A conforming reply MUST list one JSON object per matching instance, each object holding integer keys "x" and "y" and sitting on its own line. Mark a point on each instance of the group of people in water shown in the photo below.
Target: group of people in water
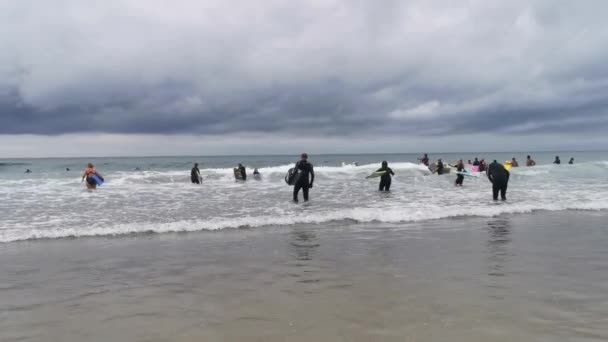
{"x": 302, "y": 175}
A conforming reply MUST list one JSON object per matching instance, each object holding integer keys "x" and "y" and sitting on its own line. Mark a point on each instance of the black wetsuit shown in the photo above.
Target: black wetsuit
{"x": 482, "y": 167}
{"x": 305, "y": 179}
{"x": 195, "y": 175}
{"x": 459, "y": 178}
{"x": 499, "y": 176}
{"x": 557, "y": 161}
{"x": 243, "y": 173}
{"x": 425, "y": 161}
{"x": 385, "y": 179}
{"x": 439, "y": 168}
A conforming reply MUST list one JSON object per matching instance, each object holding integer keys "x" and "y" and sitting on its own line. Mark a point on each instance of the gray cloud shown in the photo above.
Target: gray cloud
{"x": 328, "y": 67}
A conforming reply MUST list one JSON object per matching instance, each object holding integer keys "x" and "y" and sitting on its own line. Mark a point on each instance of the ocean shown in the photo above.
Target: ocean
{"x": 151, "y": 257}
{"x": 154, "y": 194}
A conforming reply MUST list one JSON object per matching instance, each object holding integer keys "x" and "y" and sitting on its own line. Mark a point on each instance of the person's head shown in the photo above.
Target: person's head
{"x": 304, "y": 156}
{"x": 459, "y": 161}
{"x": 90, "y": 165}
{"x": 571, "y": 159}
{"x": 476, "y": 158}
{"x": 425, "y": 155}
{"x": 513, "y": 159}
{"x": 494, "y": 161}
{"x": 384, "y": 163}
{"x": 556, "y": 157}
{"x": 240, "y": 165}
{"x": 195, "y": 164}
{"x": 528, "y": 157}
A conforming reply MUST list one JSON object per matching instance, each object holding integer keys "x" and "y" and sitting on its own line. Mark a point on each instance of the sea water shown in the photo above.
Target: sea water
{"x": 154, "y": 194}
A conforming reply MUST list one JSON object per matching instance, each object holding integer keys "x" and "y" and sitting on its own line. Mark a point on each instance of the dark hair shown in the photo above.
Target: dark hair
{"x": 304, "y": 156}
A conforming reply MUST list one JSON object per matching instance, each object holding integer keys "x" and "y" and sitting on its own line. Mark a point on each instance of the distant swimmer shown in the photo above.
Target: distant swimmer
{"x": 424, "y": 160}
{"x": 256, "y": 174}
{"x": 499, "y": 176}
{"x": 305, "y": 178}
{"x": 469, "y": 162}
{"x": 459, "y": 177}
{"x": 195, "y": 174}
{"x": 557, "y": 161}
{"x": 243, "y": 171}
{"x": 571, "y": 161}
{"x": 385, "y": 179}
{"x": 91, "y": 176}
{"x": 530, "y": 161}
{"x": 67, "y": 169}
{"x": 476, "y": 162}
{"x": 514, "y": 162}
{"x": 28, "y": 171}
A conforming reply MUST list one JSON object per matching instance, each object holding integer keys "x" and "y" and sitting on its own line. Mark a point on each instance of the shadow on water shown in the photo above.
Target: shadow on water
{"x": 498, "y": 246}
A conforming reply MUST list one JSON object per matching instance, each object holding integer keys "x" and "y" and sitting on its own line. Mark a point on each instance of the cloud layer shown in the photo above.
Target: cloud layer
{"x": 328, "y": 68}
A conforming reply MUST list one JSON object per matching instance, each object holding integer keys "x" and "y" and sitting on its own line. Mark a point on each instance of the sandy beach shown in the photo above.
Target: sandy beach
{"x": 532, "y": 277}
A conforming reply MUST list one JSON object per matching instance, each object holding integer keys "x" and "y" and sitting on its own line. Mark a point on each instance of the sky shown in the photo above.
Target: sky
{"x": 194, "y": 77}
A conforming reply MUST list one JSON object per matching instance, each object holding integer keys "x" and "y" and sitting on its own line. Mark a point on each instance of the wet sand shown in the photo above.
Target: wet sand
{"x": 532, "y": 277}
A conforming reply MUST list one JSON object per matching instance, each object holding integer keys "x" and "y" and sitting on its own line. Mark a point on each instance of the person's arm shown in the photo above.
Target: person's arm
{"x": 312, "y": 175}
{"x": 391, "y": 171}
{"x": 490, "y": 175}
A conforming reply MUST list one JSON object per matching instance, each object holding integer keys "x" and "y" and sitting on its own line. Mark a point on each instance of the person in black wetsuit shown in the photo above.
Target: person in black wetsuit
{"x": 571, "y": 161}
{"x": 482, "y": 165}
{"x": 425, "y": 160}
{"x": 557, "y": 161}
{"x": 305, "y": 179}
{"x": 385, "y": 179}
{"x": 243, "y": 172}
{"x": 439, "y": 167}
{"x": 459, "y": 177}
{"x": 476, "y": 162}
{"x": 499, "y": 176}
{"x": 195, "y": 174}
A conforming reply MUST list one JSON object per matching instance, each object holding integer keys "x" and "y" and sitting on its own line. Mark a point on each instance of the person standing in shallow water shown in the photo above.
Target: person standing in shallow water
{"x": 305, "y": 178}
{"x": 88, "y": 174}
{"x": 195, "y": 174}
{"x": 571, "y": 161}
{"x": 557, "y": 161}
{"x": 459, "y": 177}
{"x": 499, "y": 176}
{"x": 385, "y": 179}
{"x": 530, "y": 161}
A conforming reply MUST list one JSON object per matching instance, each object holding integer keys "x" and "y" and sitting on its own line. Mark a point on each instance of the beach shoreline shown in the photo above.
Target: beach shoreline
{"x": 538, "y": 276}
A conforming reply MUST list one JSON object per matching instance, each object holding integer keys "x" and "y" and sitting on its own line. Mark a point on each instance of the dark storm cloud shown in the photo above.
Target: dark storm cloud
{"x": 328, "y": 67}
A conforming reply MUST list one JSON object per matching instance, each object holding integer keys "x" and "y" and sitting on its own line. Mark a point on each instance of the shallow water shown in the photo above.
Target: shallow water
{"x": 531, "y": 277}
{"x": 52, "y": 203}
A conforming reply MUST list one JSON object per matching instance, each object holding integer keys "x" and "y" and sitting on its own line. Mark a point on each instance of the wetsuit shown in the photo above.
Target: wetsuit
{"x": 557, "y": 161}
{"x": 499, "y": 176}
{"x": 195, "y": 175}
{"x": 439, "y": 168}
{"x": 459, "y": 177}
{"x": 425, "y": 161}
{"x": 482, "y": 167}
{"x": 243, "y": 173}
{"x": 385, "y": 179}
{"x": 305, "y": 179}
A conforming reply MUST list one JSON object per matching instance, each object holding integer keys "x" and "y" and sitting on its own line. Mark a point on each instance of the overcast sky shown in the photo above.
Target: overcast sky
{"x": 132, "y": 77}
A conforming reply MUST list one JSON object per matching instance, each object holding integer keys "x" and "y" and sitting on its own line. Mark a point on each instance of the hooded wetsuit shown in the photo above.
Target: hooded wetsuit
{"x": 499, "y": 176}
{"x": 305, "y": 179}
